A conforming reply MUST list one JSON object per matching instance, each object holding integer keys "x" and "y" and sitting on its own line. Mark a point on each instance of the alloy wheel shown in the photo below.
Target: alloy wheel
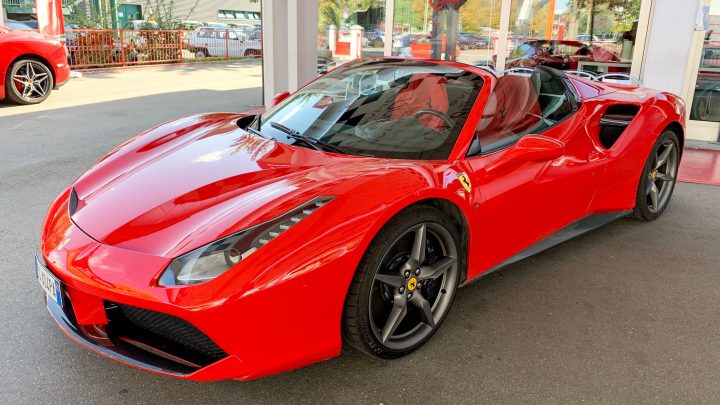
{"x": 414, "y": 286}
{"x": 32, "y": 80}
{"x": 662, "y": 176}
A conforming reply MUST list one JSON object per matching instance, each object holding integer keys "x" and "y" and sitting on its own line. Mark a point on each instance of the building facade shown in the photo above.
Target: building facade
{"x": 669, "y": 45}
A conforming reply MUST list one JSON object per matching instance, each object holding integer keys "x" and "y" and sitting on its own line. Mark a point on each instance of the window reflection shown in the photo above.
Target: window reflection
{"x": 591, "y": 35}
{"x": 706, "y": 102}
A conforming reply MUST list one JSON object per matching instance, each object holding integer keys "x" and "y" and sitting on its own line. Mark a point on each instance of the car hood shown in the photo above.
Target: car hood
{"x": 190, "y": 182}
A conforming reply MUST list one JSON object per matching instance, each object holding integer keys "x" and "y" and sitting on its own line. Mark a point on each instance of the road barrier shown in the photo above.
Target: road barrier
{"x": 118, "y": 48}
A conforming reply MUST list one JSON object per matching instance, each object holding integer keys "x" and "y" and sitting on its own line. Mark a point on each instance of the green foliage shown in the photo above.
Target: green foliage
{"x": 331, "y": 11}
{"x": 626, "y": 10}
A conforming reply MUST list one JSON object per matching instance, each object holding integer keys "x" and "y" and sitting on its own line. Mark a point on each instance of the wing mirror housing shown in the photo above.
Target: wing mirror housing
{"x": 530, "y": 148}
{"x": 280, "y": 97}
{"x": 536, "y": 148}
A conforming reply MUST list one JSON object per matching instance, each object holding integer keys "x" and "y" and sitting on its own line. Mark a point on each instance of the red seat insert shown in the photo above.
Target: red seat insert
{"x": 423, "y": 91}
{"x": 513, "y": 108}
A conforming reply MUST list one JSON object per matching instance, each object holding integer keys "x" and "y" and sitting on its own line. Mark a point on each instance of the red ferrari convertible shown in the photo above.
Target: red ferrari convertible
{"x": 237, "y": 245}
{"x": 31, "y": 66}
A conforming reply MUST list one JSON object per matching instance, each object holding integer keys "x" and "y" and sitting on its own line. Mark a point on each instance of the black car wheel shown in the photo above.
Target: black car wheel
{"x": 405, "y": 284}
{"x": 658, "y": 178}
{"x": 28, "y": 81}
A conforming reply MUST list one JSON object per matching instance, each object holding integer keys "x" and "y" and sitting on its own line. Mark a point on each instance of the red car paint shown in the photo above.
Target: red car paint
{"x": 17, "y": 44}
{"x": 192, "y": 181}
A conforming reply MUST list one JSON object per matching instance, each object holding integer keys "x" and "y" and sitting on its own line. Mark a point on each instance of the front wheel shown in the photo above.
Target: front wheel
{"x": 405, "y": 284}
{"x": 28, "y": 81}
{"x": 658, "y": 178}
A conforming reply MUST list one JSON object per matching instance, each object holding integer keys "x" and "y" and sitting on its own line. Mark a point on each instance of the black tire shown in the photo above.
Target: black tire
{"x": 644, "y": 209}
{"x": 37, "y": 94}
{"x": 201, "y": 53}
{"x": 357, "y": 322}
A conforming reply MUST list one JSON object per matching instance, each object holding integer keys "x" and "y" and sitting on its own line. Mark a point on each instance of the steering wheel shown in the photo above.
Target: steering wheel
{"x": 436, "y": 113}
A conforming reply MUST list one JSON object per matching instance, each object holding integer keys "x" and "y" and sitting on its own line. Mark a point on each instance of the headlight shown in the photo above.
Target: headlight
{"x": 209, "y": 261}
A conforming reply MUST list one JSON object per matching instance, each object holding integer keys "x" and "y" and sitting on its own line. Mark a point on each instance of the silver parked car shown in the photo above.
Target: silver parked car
{"x": 221, "y": 42}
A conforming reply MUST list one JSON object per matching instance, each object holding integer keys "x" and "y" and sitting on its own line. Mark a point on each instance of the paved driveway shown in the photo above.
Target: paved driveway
{"x": 626, "y": 314}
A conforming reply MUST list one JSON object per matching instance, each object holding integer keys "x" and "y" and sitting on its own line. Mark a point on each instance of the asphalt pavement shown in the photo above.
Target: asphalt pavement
{"x": 629, "y": 313}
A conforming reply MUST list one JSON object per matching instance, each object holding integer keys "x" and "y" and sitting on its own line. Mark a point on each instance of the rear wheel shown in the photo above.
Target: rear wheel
{"x": 658, "y": 178}
{"x": 405, "y": 284}
{"x": 28, "y": 81}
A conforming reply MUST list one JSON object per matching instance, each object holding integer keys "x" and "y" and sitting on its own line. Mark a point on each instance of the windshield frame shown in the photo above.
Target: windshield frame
{"x": 470, "y": 82}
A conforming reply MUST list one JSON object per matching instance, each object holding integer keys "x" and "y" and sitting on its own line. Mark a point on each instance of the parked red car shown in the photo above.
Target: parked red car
{"x": 31, "y": 66}
{"x": 228, "y": 245}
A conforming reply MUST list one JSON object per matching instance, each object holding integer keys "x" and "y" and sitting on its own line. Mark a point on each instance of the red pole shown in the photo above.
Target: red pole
{"x": 227, "y": 45}
{"x": 180, "y": 42}
{"x": 122, "y": 47}
{"x": 50, "y": 18}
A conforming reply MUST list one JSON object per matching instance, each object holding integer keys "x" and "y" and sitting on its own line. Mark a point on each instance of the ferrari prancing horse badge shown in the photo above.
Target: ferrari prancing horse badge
{"x": 465, "y": 181}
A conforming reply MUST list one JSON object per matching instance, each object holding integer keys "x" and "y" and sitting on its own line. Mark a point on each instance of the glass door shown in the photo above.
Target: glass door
{"x": 704, "y": 98}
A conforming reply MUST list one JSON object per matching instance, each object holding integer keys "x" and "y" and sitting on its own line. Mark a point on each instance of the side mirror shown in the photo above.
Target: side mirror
{"x": 536, "y": 148}
{"x": 530, "y": 148}
{"x": 280, "y": 97}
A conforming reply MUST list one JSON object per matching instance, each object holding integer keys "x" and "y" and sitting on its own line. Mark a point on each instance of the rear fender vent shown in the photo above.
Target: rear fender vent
{"x": 614, "y": 122}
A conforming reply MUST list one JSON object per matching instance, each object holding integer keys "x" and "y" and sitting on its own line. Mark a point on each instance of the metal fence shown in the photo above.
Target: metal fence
{"x": 112, "y": 48}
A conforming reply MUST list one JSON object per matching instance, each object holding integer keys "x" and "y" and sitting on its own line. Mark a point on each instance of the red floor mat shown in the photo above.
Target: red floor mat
{"x": 700, "y": 166}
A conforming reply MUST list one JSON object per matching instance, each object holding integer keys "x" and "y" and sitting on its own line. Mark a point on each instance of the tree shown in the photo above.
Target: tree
{"x": 626, "y": 11}
{"x": 163, "y": 13}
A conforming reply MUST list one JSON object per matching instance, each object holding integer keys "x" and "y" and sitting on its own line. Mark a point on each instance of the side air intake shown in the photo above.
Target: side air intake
{"x": 614, "y": 122}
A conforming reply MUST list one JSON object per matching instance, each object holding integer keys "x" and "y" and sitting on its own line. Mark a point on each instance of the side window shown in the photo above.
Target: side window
{"x": 520, "y": 105}
{"x": 553, "y": 98}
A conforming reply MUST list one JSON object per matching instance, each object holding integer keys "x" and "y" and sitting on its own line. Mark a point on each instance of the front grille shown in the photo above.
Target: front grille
{"x": 173, "y": 333}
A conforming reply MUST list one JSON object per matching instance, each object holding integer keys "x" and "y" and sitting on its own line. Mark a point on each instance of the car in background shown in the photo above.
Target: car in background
{"x": 189, "y": 25}
{"x": 220, "y": 42}
{"x": 420, "y": 46}
{"x": 467, "y": 40}
{"x": 216, "y": 25}
{"x": 373, "y": 39}
{"x": 587, "y": 38}
{"x": 556, "y": 54}
{"x": 18, "y": 25}
{"x": 31, "y": 65}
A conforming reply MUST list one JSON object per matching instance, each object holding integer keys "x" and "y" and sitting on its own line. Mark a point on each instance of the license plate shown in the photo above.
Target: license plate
{"x": 48, "y": 282}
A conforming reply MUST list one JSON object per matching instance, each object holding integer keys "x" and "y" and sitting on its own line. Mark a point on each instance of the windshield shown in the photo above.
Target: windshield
{"x": 527, "y": 49}
{"x": 407, "y": 109}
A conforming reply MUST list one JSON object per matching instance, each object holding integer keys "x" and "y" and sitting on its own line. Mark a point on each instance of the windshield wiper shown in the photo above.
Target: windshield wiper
{"x": 256, "y": 132}
{"x": 314, "y": 143}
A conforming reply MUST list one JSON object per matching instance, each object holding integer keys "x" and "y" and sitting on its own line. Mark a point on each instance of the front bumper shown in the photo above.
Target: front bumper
{"x": 95, "y": 338}
{"x": 136, "y": 346}
{"x": 264, "y": 323}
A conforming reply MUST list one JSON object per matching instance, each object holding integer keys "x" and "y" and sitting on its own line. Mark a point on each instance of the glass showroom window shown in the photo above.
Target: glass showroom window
{"x": 706, "y": 101}
{"x": 462, "y": 30}
{"x": 348, "y": 30}
{"x": 591, "y": 35}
